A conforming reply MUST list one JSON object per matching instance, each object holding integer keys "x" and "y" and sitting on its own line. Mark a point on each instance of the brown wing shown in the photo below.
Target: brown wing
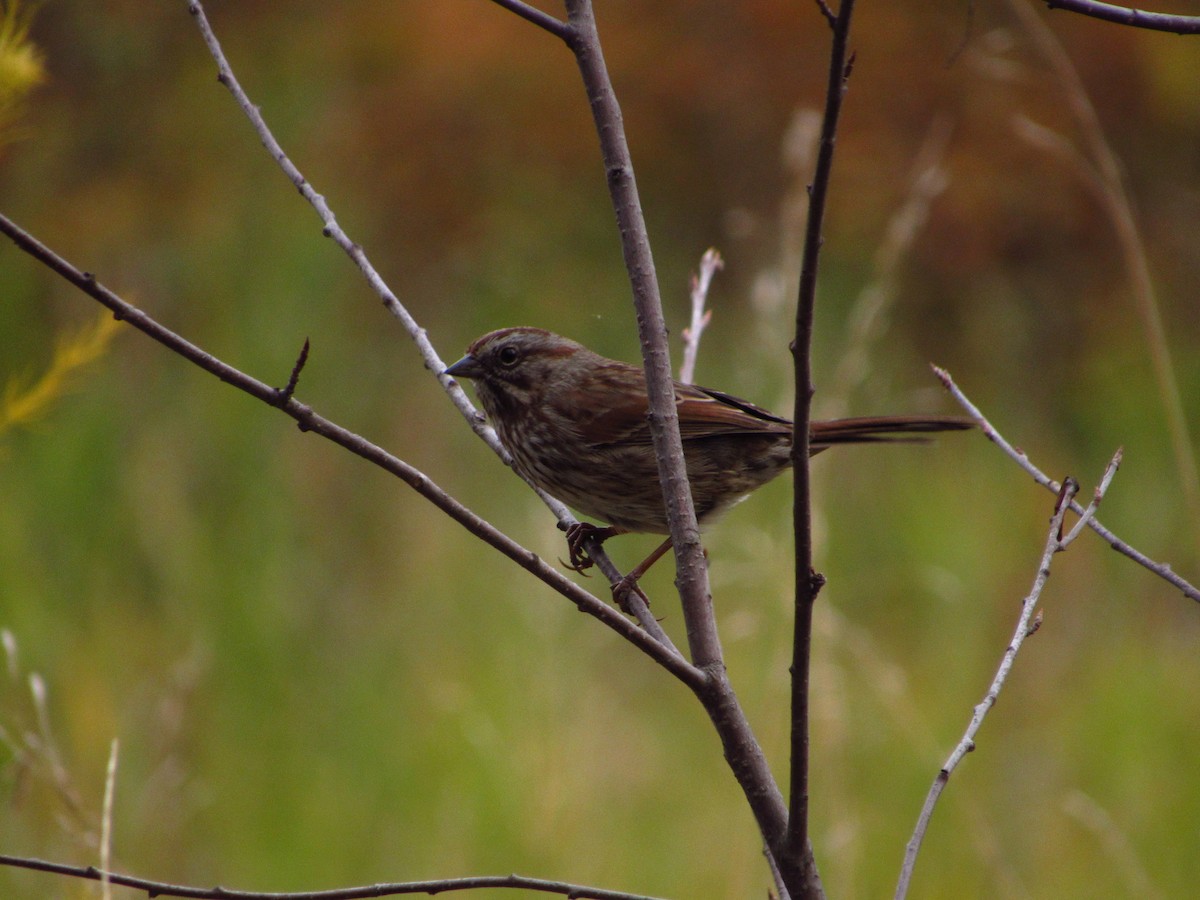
{"x": 607, "y": 412}
{"x": 706, "y": 413}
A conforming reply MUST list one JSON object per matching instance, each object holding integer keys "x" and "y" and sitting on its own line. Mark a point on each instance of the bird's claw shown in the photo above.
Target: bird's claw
{"x": 581, "y": 566}
{"x": 577, "y": 536}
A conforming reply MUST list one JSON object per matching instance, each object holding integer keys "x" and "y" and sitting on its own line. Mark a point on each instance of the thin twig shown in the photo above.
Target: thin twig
{"x": 1123, "y": 15}
{"x": 795, "y": 854}
{"x": 1026, "y": 626}
{"x": 712, "y": 687}
{"x": 308, "y": 420}
{"x": 710, "y": 264}
{"x": 556, "y": 27}
{"x": 392, "y": 889}
{"x": 331, "y": 228}
{"x": 1162, "y": 570}
{"x": 286, "y": 392}
{"x": 1097, "y": 496}
{"x": 776, "y": 876}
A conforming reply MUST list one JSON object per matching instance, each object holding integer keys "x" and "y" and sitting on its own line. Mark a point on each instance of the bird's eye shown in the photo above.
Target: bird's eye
{"x": 508, "y": 356}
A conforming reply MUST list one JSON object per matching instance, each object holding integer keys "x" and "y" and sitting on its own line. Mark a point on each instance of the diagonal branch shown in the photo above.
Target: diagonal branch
{"x": 311, "y": 421}
{"x": 691, "y": 572}
{"x": 556, "y": 27}
{"x": 1026, "y": 625}
{"x": 746, "y": 757}
{"x": 433, "y": 362}
{"x": 1124, "y": 15}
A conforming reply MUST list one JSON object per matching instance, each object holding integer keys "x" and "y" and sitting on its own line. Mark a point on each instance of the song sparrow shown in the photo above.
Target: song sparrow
{"x": 576, "y": 426}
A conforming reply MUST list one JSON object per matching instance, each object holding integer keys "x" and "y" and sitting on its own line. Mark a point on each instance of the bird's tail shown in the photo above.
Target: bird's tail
{"x": 882, "y": 429}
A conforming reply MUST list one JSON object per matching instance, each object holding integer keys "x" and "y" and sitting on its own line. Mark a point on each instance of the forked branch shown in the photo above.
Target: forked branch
{"x": 1162, "y": 570}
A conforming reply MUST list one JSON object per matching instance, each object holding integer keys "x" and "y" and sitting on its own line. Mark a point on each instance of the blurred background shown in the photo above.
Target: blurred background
{"x": 317, "y": 680}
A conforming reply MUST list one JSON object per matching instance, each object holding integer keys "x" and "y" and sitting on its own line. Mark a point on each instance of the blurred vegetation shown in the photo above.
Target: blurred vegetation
{"x": 318, "y": 681}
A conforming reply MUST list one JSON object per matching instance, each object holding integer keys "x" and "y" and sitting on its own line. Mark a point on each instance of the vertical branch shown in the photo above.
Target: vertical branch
{"x": 691, "y": 573}
{"x": 796, "y": 860}
{"x": 742, "y": 751}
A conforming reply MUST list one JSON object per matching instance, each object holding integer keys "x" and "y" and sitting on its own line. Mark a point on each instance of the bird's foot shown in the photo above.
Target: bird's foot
{"x": 577, "y": 536}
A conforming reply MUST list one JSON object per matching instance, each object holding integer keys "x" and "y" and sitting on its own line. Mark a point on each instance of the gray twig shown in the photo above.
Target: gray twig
{"x": 1162, "y": 570}
{"x": 1026, "y": 625}
{"x": 710, "y": 264}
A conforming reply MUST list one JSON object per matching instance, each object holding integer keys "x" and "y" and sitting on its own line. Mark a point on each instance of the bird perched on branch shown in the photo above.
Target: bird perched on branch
{"x": 576, "y": 426}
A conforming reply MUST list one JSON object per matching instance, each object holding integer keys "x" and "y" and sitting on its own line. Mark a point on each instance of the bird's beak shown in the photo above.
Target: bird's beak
{"x": 467, "y": 367}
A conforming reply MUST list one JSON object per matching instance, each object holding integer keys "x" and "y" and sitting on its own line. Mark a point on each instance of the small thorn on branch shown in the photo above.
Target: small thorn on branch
{"x": 283, "y": 395}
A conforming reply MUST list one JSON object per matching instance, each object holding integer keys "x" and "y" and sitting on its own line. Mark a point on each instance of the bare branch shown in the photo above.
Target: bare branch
{"x": 286, "y": 392}
{"x": 1123, "y": 15}
{"x": 746, "y": 757}
{"x": 776, "y": 875}
{"x": 311, "y": 421}
{"x": 742, "y": 751}
{"x": 691, "y": 572}
{"x": 556, "y": 27}
{"x": 1097, "y": 496}
{"x": 394, "y": 889}
{"x": 433, "y": 362}
{"x": 796, "y": 857}
{"x": 1162, "y": 570}
{"x": 1025, "y": 627}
